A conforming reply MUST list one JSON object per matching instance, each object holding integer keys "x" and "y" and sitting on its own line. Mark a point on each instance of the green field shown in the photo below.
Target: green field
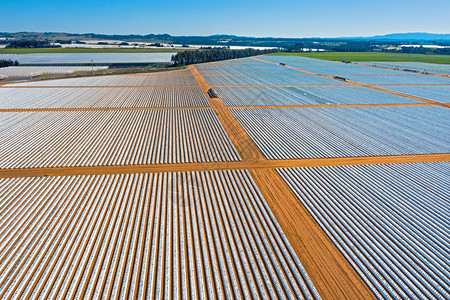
{"x": 84, "y": 50}
{"x": 372, "y": 56}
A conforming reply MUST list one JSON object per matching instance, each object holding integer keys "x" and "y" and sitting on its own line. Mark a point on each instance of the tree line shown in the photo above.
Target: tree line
{"x": 335, "y": 46}
{"x": 209, "y": 55}
{"x": 31, "y": 44}
{"x": 8, "y": 62}
{"x": 425, "y": 50}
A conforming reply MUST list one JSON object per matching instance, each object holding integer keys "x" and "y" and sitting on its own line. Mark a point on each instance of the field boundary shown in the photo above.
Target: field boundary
{"x": 330, "y": 272}
{"x": 232, "y": 165}
{"x": 366, "y": 85}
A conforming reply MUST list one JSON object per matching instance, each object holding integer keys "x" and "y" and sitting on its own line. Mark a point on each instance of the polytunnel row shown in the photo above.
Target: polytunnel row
{"x": 308, "y": 95}
{"x": 320, "y": 66}
{"x": 356, "y": 73}
{"x": 345, "y": 70}
{"x": 293, "y": 133}
{"x": 154, "y": 236}
{"x": 167, "y": 73}
{"x": 417, "y": 66}
{"x": 130, "y": 137}
{"x": 118, "y": 80}
{"x": 31, "y": 71}
{"x": 438, "y": 93}
{"x": 389, "y": 221}
{"x": 250, "y": 71}
{"x": 217, "y": 80}
{"x": 237, "y": 63}
{"x": 413, "y": 79}
{"x": 14, "y": 98}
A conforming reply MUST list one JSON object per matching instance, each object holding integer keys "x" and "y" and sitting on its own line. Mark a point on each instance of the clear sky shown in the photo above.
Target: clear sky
{"x": 275, "y": 18}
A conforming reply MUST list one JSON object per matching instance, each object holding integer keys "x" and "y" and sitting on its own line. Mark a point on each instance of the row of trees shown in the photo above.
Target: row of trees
{"x": 364, "y": 46}
{"x": 201, "y": 56}
{"x": 8, "y": 62}
{"x": 426, "y": 50}
{"x": 31, "y": 44}
{"x": 335, "y": 46}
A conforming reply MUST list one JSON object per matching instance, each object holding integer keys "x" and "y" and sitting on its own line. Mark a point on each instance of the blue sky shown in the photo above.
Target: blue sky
{"x": 276, "y": 18}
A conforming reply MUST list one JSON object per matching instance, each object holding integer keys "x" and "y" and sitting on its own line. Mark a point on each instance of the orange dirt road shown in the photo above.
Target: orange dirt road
{"x": 366, "y": 85}
{"x": 241, "y": 140}
{"x": 330, "y": 272}
{"x": 245, "y": 164}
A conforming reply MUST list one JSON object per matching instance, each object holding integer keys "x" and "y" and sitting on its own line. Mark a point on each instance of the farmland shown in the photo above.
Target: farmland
{"x": 178, "y": 79}
{"x": 99, "y": 138}
{"x": 413, "y": 66}
{"x": 178, "y": 247}
{"x": 86, "y": 50}
{"x": 102, "y": 97}
{"x": 28, "y": 72}
{"x": 308, "y": 95}
{"x": 291, "y": 184}
{"x": 405, "y": 255}
{"x": 339, "y": 132}
{"x": 434, "y": 93}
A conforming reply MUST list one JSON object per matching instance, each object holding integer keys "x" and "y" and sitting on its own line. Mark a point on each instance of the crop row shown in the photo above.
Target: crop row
{"x": 328, "y": 67}
{"x": 250, "y": 71}
{"x": 27, "y": 72}
{"x": 102, "y": 97}
{"x": 290, "y": 133}
{"x": 413, "y": 79}
{"x": 190, "y": 235}
{"x": 435, "y": 93}
{"x": 389, "y": 221}
{"x": 92, "y": 138}
{"x": 417, "y": 66}
{"x": 237, "y": 63}
{"x": 317, "y": 95}
{"x": 118, "y": 80}
{"x": 271, "y": 80}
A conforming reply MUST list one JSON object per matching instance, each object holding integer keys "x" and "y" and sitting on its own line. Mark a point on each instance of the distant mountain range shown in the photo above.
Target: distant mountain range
{"x": 222, "y": 39}
{"x": 412, "y": 36}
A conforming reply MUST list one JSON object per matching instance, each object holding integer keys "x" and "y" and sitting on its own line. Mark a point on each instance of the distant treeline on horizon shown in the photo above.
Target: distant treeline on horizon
{"x": 388, "y": 43}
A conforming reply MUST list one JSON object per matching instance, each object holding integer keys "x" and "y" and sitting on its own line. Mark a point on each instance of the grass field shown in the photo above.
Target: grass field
{"x": 372, "y": 56}
{"x": 84, "y": 50}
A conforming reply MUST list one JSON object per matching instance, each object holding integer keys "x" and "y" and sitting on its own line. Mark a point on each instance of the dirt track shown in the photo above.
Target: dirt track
{"x": 245, "y": 164}
{"x": 366, "y": 85}
{"x": 243, "y": 143}
{"x": 331, "y": 274}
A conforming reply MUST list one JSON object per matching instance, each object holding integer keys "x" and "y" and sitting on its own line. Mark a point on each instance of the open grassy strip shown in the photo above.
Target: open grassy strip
{"x": 371, "y": 56}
